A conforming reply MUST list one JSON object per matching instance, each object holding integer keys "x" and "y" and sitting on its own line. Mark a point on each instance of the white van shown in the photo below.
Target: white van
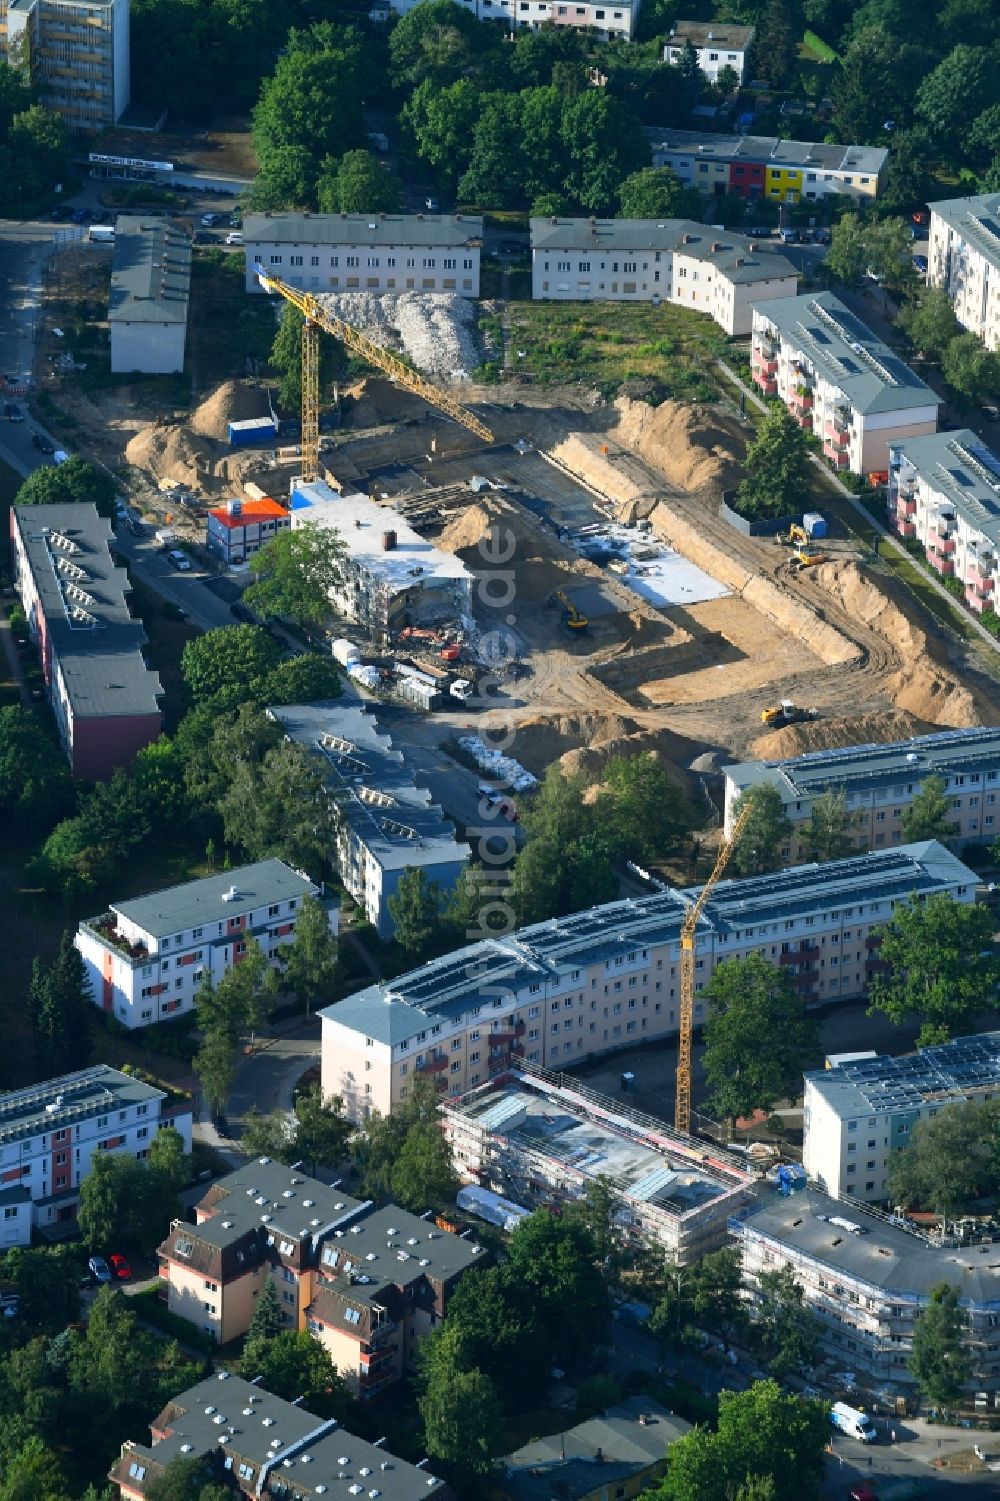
{"x": 102, "y": 234}
{"x": 853, "y": 1422}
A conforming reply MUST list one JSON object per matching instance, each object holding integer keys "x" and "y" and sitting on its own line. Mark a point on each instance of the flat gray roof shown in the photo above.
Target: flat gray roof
{"x": 887, "y": 1257}
{"x": 965, "y": 473}
{"x": 374, "y": 787}
{"x": 396, "y": 1246}
{"x": 297, "y": 1206}
{"x": 965, "y": 1068}
{"x": 593, "y": 1456}
{"x": 83, "y": 595}
{"x": 195, "y": 903}
{"x": 360, "y": 523}
{"x": 150, "y": 272}
{"x": 737, "y": 257}
{"x": 444, "y": 230}
{"x": 397, "y": 1010}
{"x": 868, "y": 768}
{"x": 721, "y": 34}
{"x": 846, "y": 353}
{"x": 61, "y": 1102}
{"x": 769, "y": 151}
{"x": 977, "y": 220}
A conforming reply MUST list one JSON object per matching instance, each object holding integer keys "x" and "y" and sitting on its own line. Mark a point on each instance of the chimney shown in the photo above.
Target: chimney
{"x": 716, "y": 246}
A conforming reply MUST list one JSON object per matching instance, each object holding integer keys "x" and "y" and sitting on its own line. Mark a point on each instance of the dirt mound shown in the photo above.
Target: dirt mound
{"x": 233, "y": 401}
{"x": 583, "y": 743}
{"x": 695, "y": 448}
{"x": 830, "y": 734}
{"x": 926, "y": 686}
{"x": 542, "y": 563}
{"x": 173, "y": 454}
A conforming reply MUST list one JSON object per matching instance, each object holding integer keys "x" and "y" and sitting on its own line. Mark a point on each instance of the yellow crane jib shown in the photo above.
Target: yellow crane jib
{"x": 682, "y": 1106}
{"x": 316, "y": 317}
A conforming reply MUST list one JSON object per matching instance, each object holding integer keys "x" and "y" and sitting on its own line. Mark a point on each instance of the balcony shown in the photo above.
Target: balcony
{"x": 765, "y": 362}
{"x": 802, "y": 399}
{"x": 433, "y": 1065}
{"x": 906, "y": 528}
{"x": 835, "y": 434}
{"x": 875, "y": 966}
{"x": 944, "y": 566}
{"x": 806, "y": 953}
{"x": 906, "y": 505}
{"x": 873, "y": 941}
{"x": 766, "y": 382}
{"x": 104, "y": 929}
{"x": 945, "y": 544}
{"x": 805, "y": 980}
{"x": 510, "y": 1035}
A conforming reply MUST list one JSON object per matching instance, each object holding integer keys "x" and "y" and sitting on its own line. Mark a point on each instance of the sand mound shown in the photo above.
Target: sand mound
{"x": 583, "y": 743}
{"x": 695, "y": 448}
{"x": 174, "y": 454}
{"x": 543, "y": 564}
{"x": 926, "y": 686}
{"x": 234, "y": 401}
{"x": 830, "y": 734}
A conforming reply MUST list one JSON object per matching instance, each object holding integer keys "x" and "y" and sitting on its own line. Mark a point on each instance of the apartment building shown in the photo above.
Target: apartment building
{"x": 367, "y": 1285}
{"x": 544, "y": 1139}
{"x": 964, "y": 258}
{"x": 262, "y": 1447}
{"x": 145, "y": 958}
{"x": 861, "y": 1110}
{"x": 382, "y": 1286}
{"x": 366, "y": 252}
{"x": 718, "y": 45}
{"x": 867, "y": 1280}
{"x": 607, "y": 20}
{"x": 236, "y": 530}
{"x": 104, "y": 698}
{"x": 944, "y": 490}
{"x": 767, "y": 167}
{"x": 76, "y": 52}
{"x": 839, "y": 381}
{"x": 386, "y": 823}
{"x": 620, "y": 1452}
{"x": 392, "y": 576}
{"x": 49, "y": 1134}
{"x": 642, "y": 260}
{"x": 879, "y": 783}
{"x": 575, "y": 987}
{"x": 150, "y": 296}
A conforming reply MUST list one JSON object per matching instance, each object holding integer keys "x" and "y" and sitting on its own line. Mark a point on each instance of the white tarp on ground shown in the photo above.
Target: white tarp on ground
{"x": 501, "y": 768}
{"x": 437, "y": 331}
{"x": 654, "y": 570}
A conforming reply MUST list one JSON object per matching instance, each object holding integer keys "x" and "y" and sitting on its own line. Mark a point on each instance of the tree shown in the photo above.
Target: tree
{"x": 847, "y": 257}
{"x": 321, "y": 1131}
{"x": 310, "y": 960}
{"x": 47, "y": 1282}
{"x": 930, "y": 322}
{"x": 415, "y": 908}
{"x": 295, "y": 573}
{"x": 777, "y": 40}
{"x": 266, "y": 1323}
{"x": 287, "y": 179}
{"x": 764, "y": 1434}
{"x": 313, "y": 99}
{"x": 766, "y": 831}
{"x": 566, "y": 863}
{"x": 61, "y": 1010}
{"x": 950, "y": 1160}
{"x": 293, "y": 1364}
{"x": 97, "y": 1215}
{"x": 185, "y": 1479}
{"x": 788, "y": 1329}
{"x": 954, "y": 94}
{"x": 305, "y": 679}
{"x": 972, "y": 370}
{"x": 727, "y": 81}
{"x": 35, "y": 785}
{"x": 647, "y": 811}
{"x": 552, "y": 1262}
{"x": 32, "y": 1472}
{"x": 941, "y": 967}
{"x": 940, "y": 1361}
{"x": 758, "y": 1037}
{"x": 864, "y": 81}
{"x": 443, "y": 42}
{"x": 495, "y": 174}
{"x": 990, "y": 180}
{"x": 358, "y": 184}
{"x": 930, "y": 814}
{"x": 829, "y": 834}
{"x": 604, "y": 142}
{"x": 279, "y": 807}
{"x": 888, "y": 253}
{"x": 708, "y": 1295}
{"x": 776, "y": 479}
{"x": 423, "y": 1177}
{"x": 658, "y": 193}
{"x": 441, "y": 123}
{"x": 463, "y": 1421}
{"x": 224, "y": 665}
{"x": 74, "y": 481}
{"x": 168, "y": 1159}
{"x": 215, "y": 1061}
{"x": 286, "y": 358}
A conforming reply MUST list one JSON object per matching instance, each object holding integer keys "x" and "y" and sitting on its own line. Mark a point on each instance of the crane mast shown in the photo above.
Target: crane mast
{"x": 682, "y": 1105}
{"x": 316, "y": 318}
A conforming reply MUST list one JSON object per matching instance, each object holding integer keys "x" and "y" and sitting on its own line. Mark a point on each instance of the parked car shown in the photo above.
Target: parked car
{"x": 12, "y": 412}
{"x": 920, "y": 262}
{"x": 823, "y": 237}
{"x": 10, "y": 1303}
{"x": 79, "y": 216}
{"x": 120, "y": 1267}
{"x": 203, "y": 238}
{"x": 99, "y": 1269}
{"x": 42, "y": 443}
{"x": 234, "y": 237}
{"x": 179, "y": 560}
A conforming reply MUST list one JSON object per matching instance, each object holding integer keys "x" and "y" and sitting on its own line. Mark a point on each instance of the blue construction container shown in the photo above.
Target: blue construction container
{"x": 253, "y": 431}
{"x": 814, "y": 524}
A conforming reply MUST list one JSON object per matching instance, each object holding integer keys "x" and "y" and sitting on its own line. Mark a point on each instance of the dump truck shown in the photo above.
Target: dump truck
{"x": 785, "y": 712}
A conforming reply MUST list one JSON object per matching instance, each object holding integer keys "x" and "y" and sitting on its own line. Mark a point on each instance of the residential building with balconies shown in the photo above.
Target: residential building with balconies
{"x": 50, "y": 1133}
{"x": 573, "y": 988}
{"x": 145, "y": 958}
{"x": 259, "y": 1446}
{"x": 944, "y": 491}
{"x": 606, "y": 20}
{"x": 766, "y": 167}
{"x": 879, "y": 782}
{"x": 104, "y": 698}
{"x": 868, "y": 1279}
{"x": 76, "y": 52}
{"x": 964, "y": 258}
{"x": 710, "y": 270}
{"x": 839, "y": 381}
{"x": 859, "y": 1111}
{"x": 718, "y": 45}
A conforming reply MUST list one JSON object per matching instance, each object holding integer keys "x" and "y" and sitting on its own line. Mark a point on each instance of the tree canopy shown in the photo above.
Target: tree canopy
{"x": 76, "y": 480}
{"x": 951, "y": 1160}
{"x": 765, "y": 832}
{"x": 941, "y": 967}
{"x": 940, "y": 1361}
{"x": 776, "y": 478}
{"x": 758, "y": 1037}
{"x": 295, "y": 573}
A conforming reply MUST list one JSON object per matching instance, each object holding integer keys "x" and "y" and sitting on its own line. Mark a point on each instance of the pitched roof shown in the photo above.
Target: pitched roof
{"x": 438, "y": 230}
{"x": 625, "y": 1441}
{"x": 735, "y": 256}
{"x": 960, "y": 468}
{"x": 769, "y": 151}
{"x": 722, "y": 34}
{"x": 150, "y": 272}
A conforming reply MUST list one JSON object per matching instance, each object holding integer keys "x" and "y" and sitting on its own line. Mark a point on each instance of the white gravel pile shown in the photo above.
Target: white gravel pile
{"x": 437, "y": 332}
{"x": 501, "y": 768}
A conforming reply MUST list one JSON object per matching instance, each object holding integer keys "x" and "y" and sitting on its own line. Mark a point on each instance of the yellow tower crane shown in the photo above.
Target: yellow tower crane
{"x": 316, "y": 318}
{"x": 682, "y": 1107}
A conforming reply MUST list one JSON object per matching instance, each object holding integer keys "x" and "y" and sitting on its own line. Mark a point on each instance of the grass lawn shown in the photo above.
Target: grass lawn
{"x": 608, "y": 343}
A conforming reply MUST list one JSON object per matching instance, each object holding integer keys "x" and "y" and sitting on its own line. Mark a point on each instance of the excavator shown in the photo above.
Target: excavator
{"x": 573, "y": 619}
{"x": 796, "y": 536}
{"x": 785, "y": 712}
